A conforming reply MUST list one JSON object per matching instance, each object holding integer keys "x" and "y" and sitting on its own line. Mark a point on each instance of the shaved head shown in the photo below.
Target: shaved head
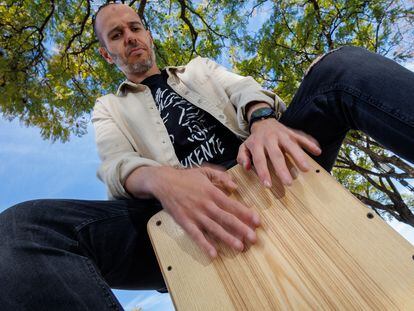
{"x": 96, "y": 18}
{"x": 125, "y": 41}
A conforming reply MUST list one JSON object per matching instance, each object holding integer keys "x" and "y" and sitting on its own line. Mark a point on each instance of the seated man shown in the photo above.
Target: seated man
{"x": 156, "y": 138}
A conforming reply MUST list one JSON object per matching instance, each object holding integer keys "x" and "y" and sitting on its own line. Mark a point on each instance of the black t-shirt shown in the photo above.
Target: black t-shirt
{"x": 196, "y": 135}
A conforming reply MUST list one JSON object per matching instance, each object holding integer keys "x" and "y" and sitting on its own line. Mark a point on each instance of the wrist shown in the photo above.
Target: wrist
{"x": 145, "y": 181}
{"x": 253, "y": 106}
{"x": 266, "y": 123}
{"x": 158, "y": 179}
{"x": 261, "y": 114}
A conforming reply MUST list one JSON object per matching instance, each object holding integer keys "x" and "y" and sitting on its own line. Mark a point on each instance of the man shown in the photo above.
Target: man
{"x": 195, "y": 100}
{"x": 153, "y": 135}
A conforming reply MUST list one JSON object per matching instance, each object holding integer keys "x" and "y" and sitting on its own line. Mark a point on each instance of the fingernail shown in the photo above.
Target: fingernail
{"x": 256, "y": 220}
{"x": 305, "y": 165}
{"x": 294, "y": 172}
{"x": 251, "y": 236}
{"x": 212, "y": 253}
{"x": 239, "y": 245}
{"x": 267, "y": 184}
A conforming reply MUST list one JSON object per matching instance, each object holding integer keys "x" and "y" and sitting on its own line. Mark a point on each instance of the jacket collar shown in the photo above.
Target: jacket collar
{"x": 129, "y": 86}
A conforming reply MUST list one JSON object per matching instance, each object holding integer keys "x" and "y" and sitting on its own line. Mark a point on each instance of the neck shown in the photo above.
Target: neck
{"x": 139, "y": 77}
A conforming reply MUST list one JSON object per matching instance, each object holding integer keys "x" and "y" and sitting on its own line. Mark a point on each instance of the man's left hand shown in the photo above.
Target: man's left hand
{"x": 271, "y": 140}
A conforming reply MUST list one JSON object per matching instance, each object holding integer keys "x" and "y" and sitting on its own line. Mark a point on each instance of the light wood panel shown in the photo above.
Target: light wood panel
{"x": 317, "y": 250}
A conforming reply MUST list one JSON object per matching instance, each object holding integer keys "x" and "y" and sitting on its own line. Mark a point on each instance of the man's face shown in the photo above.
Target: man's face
{"x": 127, "y": 43}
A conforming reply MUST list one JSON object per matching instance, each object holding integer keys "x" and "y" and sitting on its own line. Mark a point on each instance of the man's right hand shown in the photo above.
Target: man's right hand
{"x": 197, "y": 200}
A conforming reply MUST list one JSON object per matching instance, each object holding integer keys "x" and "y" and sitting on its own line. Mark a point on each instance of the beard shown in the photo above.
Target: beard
{"x": 138, "y": 67}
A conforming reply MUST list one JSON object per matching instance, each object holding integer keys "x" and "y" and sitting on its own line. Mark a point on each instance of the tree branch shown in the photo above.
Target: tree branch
{"x": 82, "y": 28}
{"x": 193, "y": 32}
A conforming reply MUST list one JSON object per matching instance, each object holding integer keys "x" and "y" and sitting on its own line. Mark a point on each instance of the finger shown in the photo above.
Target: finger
{"x": 211, "y": 240}
{"x": 292, "y": 168}
{"x": 308, "y": 142}
{"x": 306, "y": 135}
{"x": 198, "y": 237}
{"x": 243, "y": 157}
{"x": 277, "y": 158}
{"x": 218, "y": 232}
{"x": 214, "y": 166}
{"x": 260, "y": 165}
{"x": 247, "y": 215}
{"x": 232, "y": 224}
{"x": 298, "y": 155}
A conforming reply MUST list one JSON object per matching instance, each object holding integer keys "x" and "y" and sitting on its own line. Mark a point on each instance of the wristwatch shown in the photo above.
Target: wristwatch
{"x": 262, "y": 114}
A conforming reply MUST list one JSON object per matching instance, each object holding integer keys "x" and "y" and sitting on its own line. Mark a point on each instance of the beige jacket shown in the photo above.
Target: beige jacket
{"x": 130, "y": 132}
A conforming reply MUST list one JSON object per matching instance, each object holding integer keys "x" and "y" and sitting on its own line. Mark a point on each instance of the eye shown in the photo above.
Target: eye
{"x": 135, "y": 29}
{"x": 116, "y": 36}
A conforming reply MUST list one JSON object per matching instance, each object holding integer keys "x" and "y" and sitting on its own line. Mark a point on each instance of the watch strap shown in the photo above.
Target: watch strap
{"x": 262, "y": 114}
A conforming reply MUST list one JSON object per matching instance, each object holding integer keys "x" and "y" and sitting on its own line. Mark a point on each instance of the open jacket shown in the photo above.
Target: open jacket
{"x": 130, "y": 132}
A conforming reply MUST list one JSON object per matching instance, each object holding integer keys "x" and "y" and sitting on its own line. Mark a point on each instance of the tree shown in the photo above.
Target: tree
{"x": 50, "y": 72}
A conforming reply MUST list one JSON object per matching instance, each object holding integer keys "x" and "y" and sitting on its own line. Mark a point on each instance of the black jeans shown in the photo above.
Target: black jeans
{"x": 352, "y": 88}
{"x": 66, "y": 254}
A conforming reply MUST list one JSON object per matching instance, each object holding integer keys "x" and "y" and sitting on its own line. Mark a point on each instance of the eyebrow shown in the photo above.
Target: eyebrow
{"x": 119, "y": 28}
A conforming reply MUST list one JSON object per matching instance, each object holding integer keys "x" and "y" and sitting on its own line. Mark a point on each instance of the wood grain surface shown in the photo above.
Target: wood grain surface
{"x": 318, "y": 248}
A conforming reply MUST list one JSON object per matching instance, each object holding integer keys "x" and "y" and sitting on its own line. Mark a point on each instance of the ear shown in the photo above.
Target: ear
{"x": 104, "y": 53}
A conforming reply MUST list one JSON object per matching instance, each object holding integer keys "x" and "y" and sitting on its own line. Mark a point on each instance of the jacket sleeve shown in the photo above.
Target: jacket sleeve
{"x": 119, "y": 158}
{"x": 243, "y": 90}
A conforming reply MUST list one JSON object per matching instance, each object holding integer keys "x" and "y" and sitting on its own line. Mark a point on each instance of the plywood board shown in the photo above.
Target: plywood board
{"x": 318, "y": 248}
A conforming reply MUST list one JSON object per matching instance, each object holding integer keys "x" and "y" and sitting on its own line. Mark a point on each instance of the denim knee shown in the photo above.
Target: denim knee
{"x": 25, "y": 220}
{"x": 345, "y": 64}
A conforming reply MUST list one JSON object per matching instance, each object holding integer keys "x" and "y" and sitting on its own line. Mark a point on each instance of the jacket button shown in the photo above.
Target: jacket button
{"x": 221, "y": 116}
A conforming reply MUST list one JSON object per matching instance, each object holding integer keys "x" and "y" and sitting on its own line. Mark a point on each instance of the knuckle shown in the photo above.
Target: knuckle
{"x": 239, "y": 160}
{"x": 259, "y": 161}
{"x": 211, "y": 192}
{"x": 251, "y": 144}
{"x": 277, "y": 154}
{"x": 287, "y": 140}
{"x": 211, "y": 208}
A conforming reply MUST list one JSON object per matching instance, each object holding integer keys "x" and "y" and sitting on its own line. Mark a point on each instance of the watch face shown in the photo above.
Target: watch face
{"x": 262, "y": 113}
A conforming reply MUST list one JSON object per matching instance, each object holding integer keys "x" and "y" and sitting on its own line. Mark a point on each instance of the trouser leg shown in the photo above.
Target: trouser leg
{"x": 66, "y": 254}
{"x": 352, "y": 88}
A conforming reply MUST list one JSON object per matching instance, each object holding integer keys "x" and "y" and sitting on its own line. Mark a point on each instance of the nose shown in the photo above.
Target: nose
{"x": 129, "y": 37}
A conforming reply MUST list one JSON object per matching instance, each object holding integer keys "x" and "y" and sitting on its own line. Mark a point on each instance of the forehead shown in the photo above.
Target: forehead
{"x": 115, "y": 15}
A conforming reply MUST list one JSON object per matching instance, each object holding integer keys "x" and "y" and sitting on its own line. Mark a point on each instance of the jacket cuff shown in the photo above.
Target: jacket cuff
{"x": 264, "y": 96}
{"x": 116, "y": 176}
